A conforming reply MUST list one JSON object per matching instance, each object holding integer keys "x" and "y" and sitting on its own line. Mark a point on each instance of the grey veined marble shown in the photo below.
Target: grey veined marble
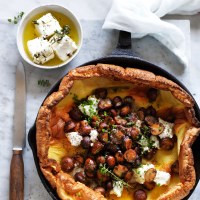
{"x": 96, "y": 43}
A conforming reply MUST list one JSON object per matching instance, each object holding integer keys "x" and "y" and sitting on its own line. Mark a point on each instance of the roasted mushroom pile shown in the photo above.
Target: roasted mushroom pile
{"x": 109, "y": 134}
{"x": 116, "y": 137}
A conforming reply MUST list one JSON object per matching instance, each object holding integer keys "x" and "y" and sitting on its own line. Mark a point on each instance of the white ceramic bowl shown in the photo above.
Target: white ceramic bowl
{"x": 26, "y": 19}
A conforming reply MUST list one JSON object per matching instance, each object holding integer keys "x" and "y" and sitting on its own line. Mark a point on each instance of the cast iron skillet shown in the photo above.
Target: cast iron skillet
{"x": 124, "y": 57}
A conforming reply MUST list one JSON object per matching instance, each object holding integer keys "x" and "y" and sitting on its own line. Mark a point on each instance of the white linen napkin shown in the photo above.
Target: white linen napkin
{"x": 142, "y": 17}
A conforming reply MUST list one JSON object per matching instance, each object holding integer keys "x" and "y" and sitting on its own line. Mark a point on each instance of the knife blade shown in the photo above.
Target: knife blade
{"x": 19, "y": 136}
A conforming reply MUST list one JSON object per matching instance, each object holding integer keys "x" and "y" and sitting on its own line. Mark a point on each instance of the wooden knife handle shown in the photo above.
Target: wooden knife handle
{"x": 17, "y": 176}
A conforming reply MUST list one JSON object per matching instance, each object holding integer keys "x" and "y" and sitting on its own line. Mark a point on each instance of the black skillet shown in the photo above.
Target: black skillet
{"x": 122, "y": 56}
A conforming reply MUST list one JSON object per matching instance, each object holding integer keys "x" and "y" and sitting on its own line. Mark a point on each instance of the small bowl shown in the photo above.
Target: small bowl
{"x": 38, "y": 10}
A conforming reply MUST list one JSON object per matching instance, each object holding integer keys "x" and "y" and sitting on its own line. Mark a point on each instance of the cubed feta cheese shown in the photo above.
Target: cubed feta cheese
{"x": 140, "y": 172}
{"x": 93, "y": 135}
{"x": 47, "y": 25}
{"x": 74, "y": 138}
{"x": 90, "y": 106}
{"x": 117, "y": 188}
{"x": 162, "y": 178}
{"x": 168, "y": 130}
{"x": 63, "y": 46}
{"x": 40, "y": 50}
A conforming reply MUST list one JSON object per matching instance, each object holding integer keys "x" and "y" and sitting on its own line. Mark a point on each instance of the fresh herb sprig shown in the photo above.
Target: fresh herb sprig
{"x": 44, "y": 83}
{"x": 64, "y": 31}
{"x": 130, "y": 124}
{"x": 104, "y": 170}
{"x": 16, "y": 19}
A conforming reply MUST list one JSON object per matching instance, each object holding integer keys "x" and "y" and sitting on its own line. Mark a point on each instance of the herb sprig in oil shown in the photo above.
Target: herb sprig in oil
{"x": 64, "y": 31}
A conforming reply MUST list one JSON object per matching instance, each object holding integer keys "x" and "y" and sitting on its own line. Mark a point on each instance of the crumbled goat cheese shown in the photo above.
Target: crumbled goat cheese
{"x": 140, "y": 172}
{"x": 162, "y": 178}
{"x": 117, "y": 188}
{"x": 144, "y": 144}
{"x": 74, "y": 138}
{"x": 93, "y": 135}
{"x": 138, "y": 123}
{"x": 168, "y": 130}
{"x": 40, "y": 50}
{"x": 155, "y": 142}
{"x": 63, "y": 47}
{"x": 148, "y": 143}
{"x": 90, "y": 106}
{"x": 47, "y": 25}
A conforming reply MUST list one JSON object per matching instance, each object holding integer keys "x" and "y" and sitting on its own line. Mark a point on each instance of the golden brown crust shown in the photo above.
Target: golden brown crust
{"x": 136, "y": 76}
{"x": 186, "y": 168}
{"x": 43, "y": 133}
{"x": 64, "y": 183}
{"x": 190, "y": 115}
{"x": 84, "y": 72}
{"x": 187, "y": 172}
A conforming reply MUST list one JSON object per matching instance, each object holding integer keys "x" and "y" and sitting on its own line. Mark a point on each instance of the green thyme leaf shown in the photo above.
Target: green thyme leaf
{"x": 44, "y": 83}
{"x": 21, "y": 14}
{"x": 105, "y": 113}
{"x": 16, "y": 19}
{"x": 114, "y": 126}
{"x": 104, "y": 130}
{"x": 64, "y": 31}
{"x": 104, "y": 170}
{"x": 130, "y": 123}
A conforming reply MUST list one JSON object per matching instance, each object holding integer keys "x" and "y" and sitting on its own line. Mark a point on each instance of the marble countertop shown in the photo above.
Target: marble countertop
{"x": 96, "y": 43}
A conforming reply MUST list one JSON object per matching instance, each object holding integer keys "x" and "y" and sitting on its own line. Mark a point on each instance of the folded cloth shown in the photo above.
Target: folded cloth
{"x": 142, "y": 17}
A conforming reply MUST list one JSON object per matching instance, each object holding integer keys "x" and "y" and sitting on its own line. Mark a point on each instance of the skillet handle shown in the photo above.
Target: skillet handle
{"x": 124, "y": 46}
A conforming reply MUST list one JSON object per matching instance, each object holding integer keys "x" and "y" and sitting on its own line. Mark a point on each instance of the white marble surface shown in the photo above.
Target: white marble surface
{"x": 96, "y": 43}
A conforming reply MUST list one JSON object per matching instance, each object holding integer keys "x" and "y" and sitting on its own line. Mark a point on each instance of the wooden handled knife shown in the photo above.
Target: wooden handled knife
{"x": 19, "y": 137}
